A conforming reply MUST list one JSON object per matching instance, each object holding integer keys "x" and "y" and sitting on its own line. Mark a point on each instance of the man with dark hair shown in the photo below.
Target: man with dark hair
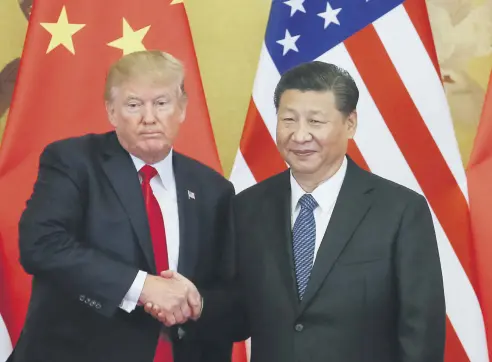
{"x": 335, "y": 263}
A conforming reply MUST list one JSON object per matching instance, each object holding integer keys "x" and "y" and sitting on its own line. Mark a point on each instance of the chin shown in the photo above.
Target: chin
{"x": 305, "y": 166}
{"x": 152, "y": 149}
{"x": 303, "y": 169}
{"x": 153, "y": 145}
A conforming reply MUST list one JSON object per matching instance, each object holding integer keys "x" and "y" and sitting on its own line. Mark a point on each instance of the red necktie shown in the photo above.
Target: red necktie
{"x": 163, "y": 352}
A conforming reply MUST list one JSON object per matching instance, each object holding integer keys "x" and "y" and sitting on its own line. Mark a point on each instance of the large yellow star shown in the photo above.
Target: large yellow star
{"x": 131, "y": 41}
{"x": 174, "y": 2}
{"x": 61, "y": 32}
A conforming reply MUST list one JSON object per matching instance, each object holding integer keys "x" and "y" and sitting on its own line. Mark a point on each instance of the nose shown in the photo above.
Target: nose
{"x": 148, "y": 114}
{"x": 301, "y": 134}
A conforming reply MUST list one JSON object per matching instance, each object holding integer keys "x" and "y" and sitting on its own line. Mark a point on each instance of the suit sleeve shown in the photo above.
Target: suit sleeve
{"x": 52, "y": 244}
{"x": 422, "y": 312}
{"x": 222, "y": 317}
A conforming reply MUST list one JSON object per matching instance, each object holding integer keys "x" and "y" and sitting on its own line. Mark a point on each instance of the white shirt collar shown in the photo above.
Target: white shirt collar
{"x": 164, "y": 169}
{"x": 325, "y": 194}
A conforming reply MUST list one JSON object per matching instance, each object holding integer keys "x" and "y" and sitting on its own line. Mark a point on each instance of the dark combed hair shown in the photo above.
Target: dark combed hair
{"x": 319, "y": 76}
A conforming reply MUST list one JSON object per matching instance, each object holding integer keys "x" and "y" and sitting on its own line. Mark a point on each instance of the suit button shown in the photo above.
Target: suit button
{"x": 98, "y": 305}
{"x": 87, "y": 300}
{"x": 92, "y": 303}
{"x": 299, "y": 327}
{"x": 82, "y": 298}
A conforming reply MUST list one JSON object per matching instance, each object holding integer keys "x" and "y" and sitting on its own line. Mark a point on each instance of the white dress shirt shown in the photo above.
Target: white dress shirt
{"x": 164, "y": 188}
{"x": 326, "y": 195}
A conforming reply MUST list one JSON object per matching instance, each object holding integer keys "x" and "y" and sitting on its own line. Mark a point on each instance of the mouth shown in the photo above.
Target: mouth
{"x": 303, "y": 153}
{"x": 149, "y": 134}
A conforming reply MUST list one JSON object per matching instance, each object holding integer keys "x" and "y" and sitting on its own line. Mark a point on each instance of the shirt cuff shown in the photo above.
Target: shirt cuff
{"x": 130, "y": 300}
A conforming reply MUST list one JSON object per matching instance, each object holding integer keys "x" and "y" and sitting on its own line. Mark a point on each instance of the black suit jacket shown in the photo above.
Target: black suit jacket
{"x": 84, "y": 235}
{"x": 375, "y": 293}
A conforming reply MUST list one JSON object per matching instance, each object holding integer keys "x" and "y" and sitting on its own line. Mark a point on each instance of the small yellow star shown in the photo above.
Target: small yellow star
{"x": 61, "y": 32}
{"x": 131, "y": 41}
{"x": 174, "y": 2}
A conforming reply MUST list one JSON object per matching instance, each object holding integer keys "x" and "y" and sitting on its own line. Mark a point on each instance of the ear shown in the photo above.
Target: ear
{"x": 351, "y": 123}
{"x": 110, "y": 111}
{"x": 183, "y": 105}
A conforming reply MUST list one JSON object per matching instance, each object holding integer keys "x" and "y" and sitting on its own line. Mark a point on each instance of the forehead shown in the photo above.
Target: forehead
{"x": 295, "y": 99}
{"x": 146, "y": 86}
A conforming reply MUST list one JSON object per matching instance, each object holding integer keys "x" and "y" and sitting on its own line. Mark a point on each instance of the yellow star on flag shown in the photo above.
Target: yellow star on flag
{"x": 131, "y": 41}
{"x": 61, "y": 32}
{"x": 174, "y": 2}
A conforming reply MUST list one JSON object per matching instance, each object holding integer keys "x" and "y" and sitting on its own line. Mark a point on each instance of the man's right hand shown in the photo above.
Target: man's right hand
{"x": 175, "y": 299}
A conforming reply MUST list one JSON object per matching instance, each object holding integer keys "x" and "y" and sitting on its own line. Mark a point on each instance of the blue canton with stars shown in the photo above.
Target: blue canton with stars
{"x": 301, "y": 30}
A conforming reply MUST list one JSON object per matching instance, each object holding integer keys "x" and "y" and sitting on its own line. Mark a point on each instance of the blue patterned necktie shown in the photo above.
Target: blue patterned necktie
{"x": 304, "y": 239}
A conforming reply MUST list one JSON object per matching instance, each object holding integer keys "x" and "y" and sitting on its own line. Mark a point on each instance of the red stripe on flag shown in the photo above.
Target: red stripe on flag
{"x": 453, "y": 350}
{"x": 417, "y": 11}
{"x": 356, "y": 155}
{"x": 258, "y": 148}
{"x": 414, "y": 140}
{"x": 479, "y": 176}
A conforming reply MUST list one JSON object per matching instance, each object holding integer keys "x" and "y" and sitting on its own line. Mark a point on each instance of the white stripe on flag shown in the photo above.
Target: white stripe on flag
{"x": 411, "y": 60}
{"x": 462, "y": 306}
{"x": 247, "y": 344}
{"x": 266, "y": 80}
{"x": 241, "y": 176}
{"x": 5, "y": 344}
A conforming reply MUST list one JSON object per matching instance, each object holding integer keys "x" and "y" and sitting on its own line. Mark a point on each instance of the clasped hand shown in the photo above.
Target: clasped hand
{"x": 171, "y": 298}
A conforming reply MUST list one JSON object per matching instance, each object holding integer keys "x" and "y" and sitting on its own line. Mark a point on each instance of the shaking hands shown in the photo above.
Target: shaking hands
{"x": 171, "y": 298}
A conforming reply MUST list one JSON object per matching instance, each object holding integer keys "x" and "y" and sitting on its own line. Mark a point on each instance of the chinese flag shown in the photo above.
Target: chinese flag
{"x": 479, "y": 175}
{"x": 59, "y": 93}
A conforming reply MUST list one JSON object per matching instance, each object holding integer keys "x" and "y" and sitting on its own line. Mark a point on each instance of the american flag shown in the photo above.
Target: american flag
{"x": 405, "y": 132}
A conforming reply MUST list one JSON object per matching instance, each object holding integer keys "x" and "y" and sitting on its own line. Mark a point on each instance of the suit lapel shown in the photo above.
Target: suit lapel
{"x": 122, "y": 175}
{"x": 188, "y": 196}
{"x": 353, "y": 202}
{"x": 277, "y": 211}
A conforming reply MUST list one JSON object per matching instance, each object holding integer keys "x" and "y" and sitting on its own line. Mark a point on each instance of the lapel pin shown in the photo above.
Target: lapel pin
{"x": 191, "y": 195}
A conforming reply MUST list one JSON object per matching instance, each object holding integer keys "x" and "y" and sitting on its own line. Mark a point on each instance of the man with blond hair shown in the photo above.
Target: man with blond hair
{"x": 112, "y": 212}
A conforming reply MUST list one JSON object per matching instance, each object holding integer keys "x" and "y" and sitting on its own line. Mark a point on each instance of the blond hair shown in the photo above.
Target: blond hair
{"x": 161, "y": 67}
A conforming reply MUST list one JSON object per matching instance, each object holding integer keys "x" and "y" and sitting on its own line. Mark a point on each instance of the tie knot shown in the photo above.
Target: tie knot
{"x": 147, "y": 172}
{"x": 308, "y": 202}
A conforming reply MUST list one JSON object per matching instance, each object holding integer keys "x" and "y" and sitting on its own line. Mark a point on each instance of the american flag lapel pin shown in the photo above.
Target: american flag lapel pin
{"x": 191, "y": 195}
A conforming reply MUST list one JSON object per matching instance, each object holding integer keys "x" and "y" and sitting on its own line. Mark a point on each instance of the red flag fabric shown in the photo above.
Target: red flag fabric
{"x": 59, "y": 93}
{"x": 5, "y": 343}
{"x": 479, "y": 176}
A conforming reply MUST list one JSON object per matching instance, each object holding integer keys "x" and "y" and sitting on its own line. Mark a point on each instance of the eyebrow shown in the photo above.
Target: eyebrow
{"x": 132, "y": 97}
{"x": 315, "y": 112}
